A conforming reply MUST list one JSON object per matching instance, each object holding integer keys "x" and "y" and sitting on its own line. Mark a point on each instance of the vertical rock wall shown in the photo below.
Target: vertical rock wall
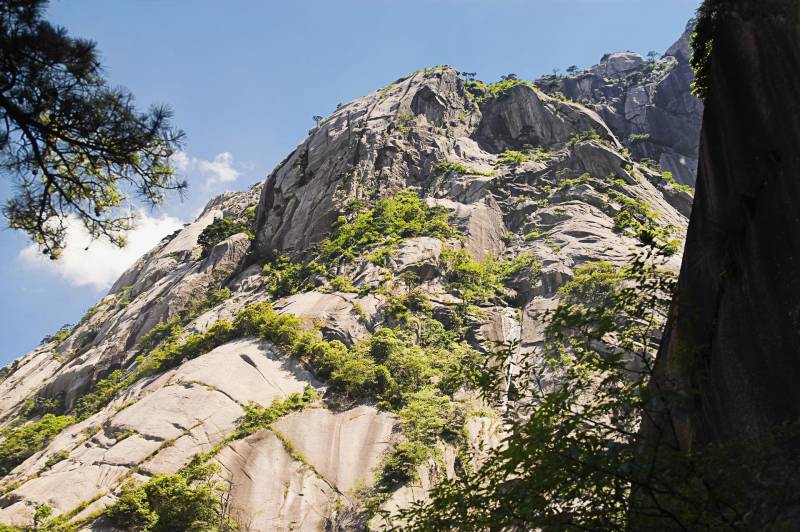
{"x": 735, "y": 334}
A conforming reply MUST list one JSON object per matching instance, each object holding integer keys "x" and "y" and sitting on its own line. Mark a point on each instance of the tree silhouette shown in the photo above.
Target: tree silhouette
{"x": 572, "y": 70}
{"x": 71, "y": 145}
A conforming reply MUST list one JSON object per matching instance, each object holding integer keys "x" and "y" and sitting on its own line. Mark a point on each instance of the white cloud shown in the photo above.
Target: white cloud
{"x": 102, "y": 263}
{"x": 221, "y": 169}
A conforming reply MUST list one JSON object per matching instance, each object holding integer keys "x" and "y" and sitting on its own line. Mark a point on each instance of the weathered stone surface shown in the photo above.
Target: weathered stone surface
{"x": 169, "y": 412}
{"x": 344, "y": 447}
{"x": 62, "y": 490}
{"x": 26, "y": 375}
{"x": 525, "y": 116}
{"x": 270, "y": 490}
{"x": 344, "y": 316}
{"x": 419, "y": 255}
{"x": 172, "y": 458}
{"x": 246, "y": 370}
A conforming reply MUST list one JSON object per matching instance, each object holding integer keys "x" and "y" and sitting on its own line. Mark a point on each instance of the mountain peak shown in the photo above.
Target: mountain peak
{"x": 294, "y": 334}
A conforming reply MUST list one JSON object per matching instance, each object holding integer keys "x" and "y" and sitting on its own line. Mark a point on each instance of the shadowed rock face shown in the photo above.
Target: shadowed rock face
{"x": 557, "y": 203}
{"x": 735, "y": 335}
{"x": 647, "y": 104}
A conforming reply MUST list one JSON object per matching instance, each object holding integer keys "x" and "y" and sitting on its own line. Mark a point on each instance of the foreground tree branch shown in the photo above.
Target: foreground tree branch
{"x": 71, "y": 144}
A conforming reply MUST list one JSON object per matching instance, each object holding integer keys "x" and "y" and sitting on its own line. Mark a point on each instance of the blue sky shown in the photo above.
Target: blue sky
{"x": 245, "y": 77}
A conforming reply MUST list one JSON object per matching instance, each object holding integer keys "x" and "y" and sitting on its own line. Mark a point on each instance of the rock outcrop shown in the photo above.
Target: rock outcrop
{"x": 648, "y": 104}
{"x": 521, "y": 177}
{"x": 734, "y": 337}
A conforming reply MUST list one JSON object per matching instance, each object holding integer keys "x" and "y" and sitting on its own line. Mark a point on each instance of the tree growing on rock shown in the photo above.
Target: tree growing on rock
{"x": 73, "y": 146}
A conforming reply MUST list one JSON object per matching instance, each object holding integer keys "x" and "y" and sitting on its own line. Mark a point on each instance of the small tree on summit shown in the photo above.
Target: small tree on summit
{"x": 72, "y": 145}
{"x": 572, "y": 70}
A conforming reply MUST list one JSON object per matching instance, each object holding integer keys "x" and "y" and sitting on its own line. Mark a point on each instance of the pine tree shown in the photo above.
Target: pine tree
{"x": 73, "y": 146}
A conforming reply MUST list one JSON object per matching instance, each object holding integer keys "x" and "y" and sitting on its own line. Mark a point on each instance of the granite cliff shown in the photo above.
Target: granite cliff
{"x": 730, "y": 348}
{"x": 648, "y": 104}
{"x": 308, "y": 337}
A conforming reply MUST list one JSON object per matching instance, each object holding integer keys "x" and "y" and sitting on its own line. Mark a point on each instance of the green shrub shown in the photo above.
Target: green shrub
{"x": 324, "y": 356}
{"x": 55, "y": 458}
{"x": 257, "y": 417}
{"x": 573, "y": 182}
{"x": 358, "y": 376}
{"x": 384, "y": 343}
{"x": 537, "y": 153}
{"x": 667, "y": 176}
{"x": 402, "y": 464}
{"x": 102, "y": 393}
{"x": 702, "y": 42}
{"x": 381, "y": 256}
{"x": 426, "y": 415}
{"x": 59, "y": 336}
{"x": 285, "y": 278}
{"x": 165, "y": 331}
{"x": 260, "y": 319}
{"x": 635, "y": 138}
{"x": 42, "y": 512}
{"x": 21, "y": 442}
{"x": 412, "y": 366}
{"x": 169, "y": 355}
{"x": 652, "y": 164}
{"x": 402, "y": 307}
{"x": 533, "y": 235}
{"x": 583, "y": 136}
{"x": 38, "y": 406}
{"x": 171, "y": 330}
{"x": 593, "y": 284}
{"x": 638, "y": 219}
{"x": 560, "y": 97}
{"x": 342, "y": 283}
{"x": 405, "y": 122}
{"x": 404, "y": 215}
{"x": 633, "y": 214}
{"x": 445, "y": 167}
{"x": 189, "y": 500}
{"x": 511, "y": 157}
{"x": 477, "y": 281}
{"x": 501, "y": 88}
{"x": 219, "y": 230}
{"x": 212, "y": 299}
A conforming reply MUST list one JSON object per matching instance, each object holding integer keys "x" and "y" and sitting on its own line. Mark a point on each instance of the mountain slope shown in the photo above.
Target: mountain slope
{"x": 411, "y": 232}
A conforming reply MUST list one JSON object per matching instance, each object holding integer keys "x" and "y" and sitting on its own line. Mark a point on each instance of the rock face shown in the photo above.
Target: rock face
{"x": 647, "y": 104}
{"x": 739, "y": 289}
{"x": 517, "y": 172}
